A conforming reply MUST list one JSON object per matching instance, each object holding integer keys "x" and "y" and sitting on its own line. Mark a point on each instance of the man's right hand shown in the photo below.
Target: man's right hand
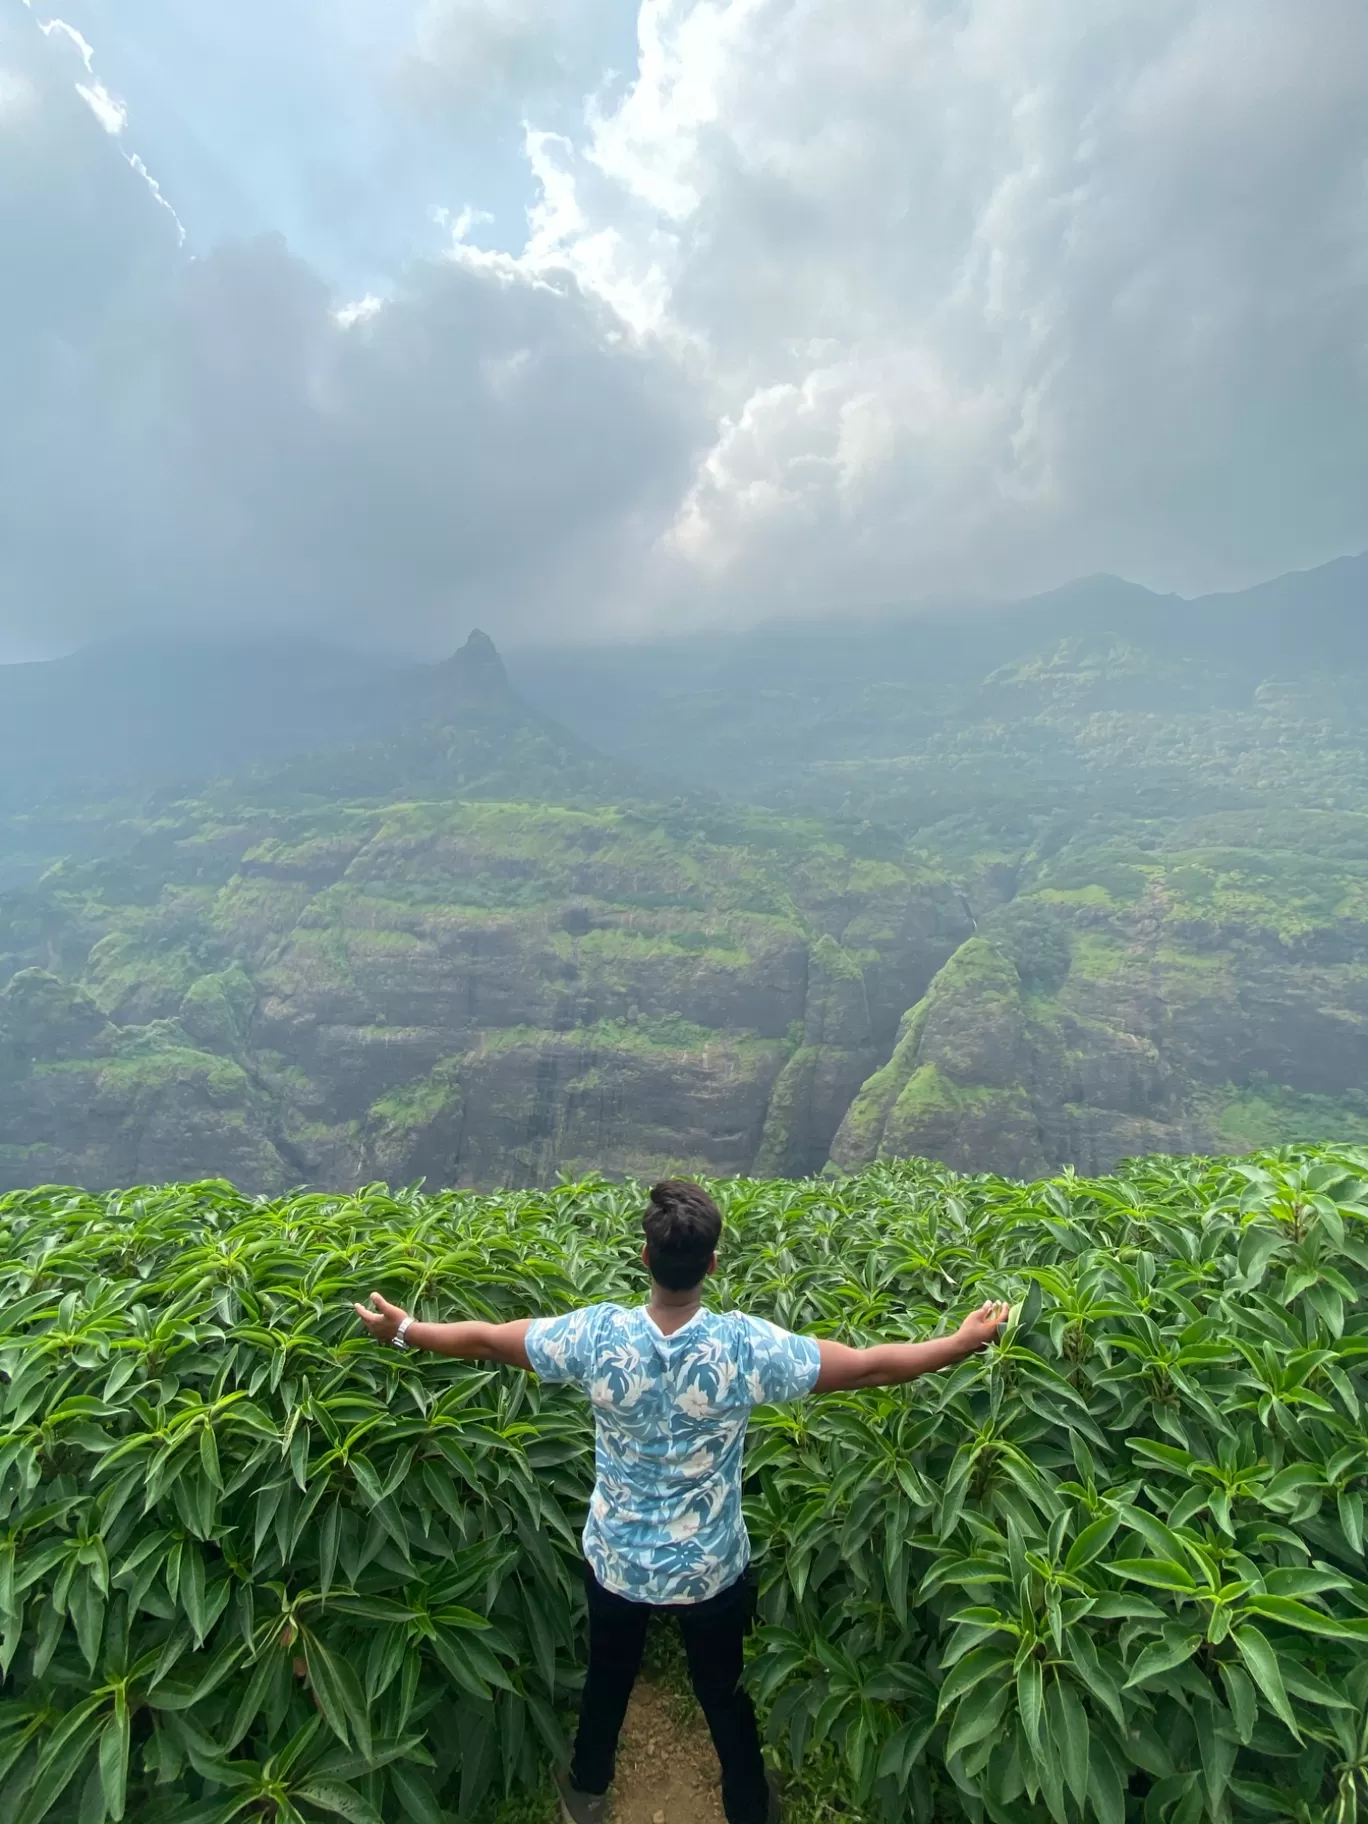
{"x": 982, "y": 1327}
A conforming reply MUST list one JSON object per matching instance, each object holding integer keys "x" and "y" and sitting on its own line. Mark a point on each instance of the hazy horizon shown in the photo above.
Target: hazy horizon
{"x": 874, "y": 617}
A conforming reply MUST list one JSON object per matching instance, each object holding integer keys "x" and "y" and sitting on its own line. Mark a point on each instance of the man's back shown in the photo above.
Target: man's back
{"x": 672, "y": 1386}
{"x": 670, "y": 1415}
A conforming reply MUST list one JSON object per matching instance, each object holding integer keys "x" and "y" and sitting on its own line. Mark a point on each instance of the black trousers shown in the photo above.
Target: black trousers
{"x": 713, "y": 1633}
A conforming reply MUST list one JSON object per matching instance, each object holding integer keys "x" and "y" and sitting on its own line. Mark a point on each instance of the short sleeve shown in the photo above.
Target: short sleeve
{"x": 563, "y": 1348}
{"x": 783, "y": 1366}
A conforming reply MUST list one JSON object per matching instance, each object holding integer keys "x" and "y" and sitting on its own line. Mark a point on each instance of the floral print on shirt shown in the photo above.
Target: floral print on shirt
{"x": 670, "y": 1416}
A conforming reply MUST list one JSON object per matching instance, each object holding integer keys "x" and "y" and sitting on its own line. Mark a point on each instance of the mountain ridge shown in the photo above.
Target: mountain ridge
{"x": 129, "y": 714}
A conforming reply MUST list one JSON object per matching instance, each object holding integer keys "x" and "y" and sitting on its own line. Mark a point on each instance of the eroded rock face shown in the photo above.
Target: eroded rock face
{"x": 131, "y": 1117}
{"x": 481, "y": 995}
{"x": 953, "y": 1089}
{"x": 837, "y": 1052}
{"x": 1140, "y": 1049}
{"x": 488, "y": 993}
{"x": 43, "y": 1018}
{"x": 519, "y": 1109}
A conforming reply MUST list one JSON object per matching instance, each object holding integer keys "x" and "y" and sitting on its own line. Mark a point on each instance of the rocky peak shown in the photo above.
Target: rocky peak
{"x": 473, "y": 678}
{"x": 478, "y": 663}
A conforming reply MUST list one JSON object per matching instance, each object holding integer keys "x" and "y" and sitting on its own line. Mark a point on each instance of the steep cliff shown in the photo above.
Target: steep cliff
{"x": 1208, "y": 1002}
{"x": 837, "y": 1049}
{"x": 468, "y": 992}
{"x": 953, "y": 1088}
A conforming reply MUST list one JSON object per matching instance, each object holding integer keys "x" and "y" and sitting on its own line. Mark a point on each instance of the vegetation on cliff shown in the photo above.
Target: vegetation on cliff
{"x": 469, "y": 947}
{"x": 470, "y": 991}
{"x": 251, "y": 1564}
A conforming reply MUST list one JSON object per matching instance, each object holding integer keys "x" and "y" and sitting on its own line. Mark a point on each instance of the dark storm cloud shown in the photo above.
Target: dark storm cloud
{"x": 201, "y": 443}
{"x": 476, "y": 442}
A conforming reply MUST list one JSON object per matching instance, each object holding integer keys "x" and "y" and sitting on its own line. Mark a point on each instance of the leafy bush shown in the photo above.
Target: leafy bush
{"x": 253, "y": 1565}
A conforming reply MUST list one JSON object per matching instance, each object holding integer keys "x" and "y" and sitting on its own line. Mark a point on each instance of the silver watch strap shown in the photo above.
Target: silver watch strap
{"x": 398, "y": 1339}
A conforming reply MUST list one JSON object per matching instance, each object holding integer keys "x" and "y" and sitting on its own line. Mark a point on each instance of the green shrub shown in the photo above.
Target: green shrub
{"x": 1035, "y": 936}
{"x": 254, "y": 1566}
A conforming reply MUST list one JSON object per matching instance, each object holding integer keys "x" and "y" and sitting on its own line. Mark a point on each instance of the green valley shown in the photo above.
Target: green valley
{"x": 1015, "y": 889}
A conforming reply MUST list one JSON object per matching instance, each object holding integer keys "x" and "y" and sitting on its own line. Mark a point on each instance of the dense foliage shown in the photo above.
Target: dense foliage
{"x": 253, "y": 1565}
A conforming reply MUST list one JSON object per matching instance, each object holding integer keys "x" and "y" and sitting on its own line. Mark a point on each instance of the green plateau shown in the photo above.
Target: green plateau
{"x": 1058, "y": 883}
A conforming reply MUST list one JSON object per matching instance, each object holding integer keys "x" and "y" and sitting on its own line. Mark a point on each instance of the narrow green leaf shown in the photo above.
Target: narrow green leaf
{"x": 1301, "y": 1615}
{"x": 114, "y": 1758}
{"x": 61, "y": 1760}
{"x": 1350, "y": 1504}
{"x": 191, "y": 1591}
{"x": 415, "y": 1795}
{"x": 1030, "y": 1702}
{"x": 209, "y": 1458}
{"x": 1160, "y": 1574}
{"x": 338, "y": 1692}
{"x": 977, "y": 1719}
{"x": 1070, "y": 1728}
{"x": 328, "y": 1534}
{"x": 1263, "y": 1666}
{"x": 1240, "y": 1696}
{"x": 970, "y": 1671}
{"x": 1091, "y": 1542}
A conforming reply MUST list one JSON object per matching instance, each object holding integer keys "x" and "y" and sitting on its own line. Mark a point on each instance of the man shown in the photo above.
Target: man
{"x": 673, "y": 1386}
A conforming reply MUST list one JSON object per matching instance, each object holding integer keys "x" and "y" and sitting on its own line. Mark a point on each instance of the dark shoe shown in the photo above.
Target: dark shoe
{"x": 773, "y": 1810}
{"x": 774, "y": 1815}
{"x": 580, "y": 1807}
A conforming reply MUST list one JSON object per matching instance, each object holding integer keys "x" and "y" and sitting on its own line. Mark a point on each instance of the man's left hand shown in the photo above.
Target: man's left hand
{"x": 383, "y": 1323}
{"x": 983, "y": 1326}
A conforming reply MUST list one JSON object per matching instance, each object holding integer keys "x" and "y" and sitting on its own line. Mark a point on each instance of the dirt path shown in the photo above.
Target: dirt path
{"x": 666, "y": 1771}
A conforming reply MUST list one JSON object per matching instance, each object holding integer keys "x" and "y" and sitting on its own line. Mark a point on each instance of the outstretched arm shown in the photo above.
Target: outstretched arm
{"x": 886, "y": 1364}
{"x": 506, "y": 1343}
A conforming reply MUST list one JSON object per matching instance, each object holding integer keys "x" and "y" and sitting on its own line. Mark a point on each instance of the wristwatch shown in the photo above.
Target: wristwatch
{"x": 401, "y": 1333}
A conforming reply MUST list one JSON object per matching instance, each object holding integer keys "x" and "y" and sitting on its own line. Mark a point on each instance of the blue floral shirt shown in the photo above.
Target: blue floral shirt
{"x": 670, "y": 1415}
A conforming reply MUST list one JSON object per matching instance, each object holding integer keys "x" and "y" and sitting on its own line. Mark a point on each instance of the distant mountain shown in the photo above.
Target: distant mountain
{"x": 140, "y": 716}
{"x": 94, "y": 746}
{"x": 741, "y": 711}
{"x": 1030, "y": 886}
{"x": 454, "y": 729}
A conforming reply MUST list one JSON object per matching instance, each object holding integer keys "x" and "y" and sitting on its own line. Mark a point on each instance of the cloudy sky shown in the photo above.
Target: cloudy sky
{"x": 378, "y": 317}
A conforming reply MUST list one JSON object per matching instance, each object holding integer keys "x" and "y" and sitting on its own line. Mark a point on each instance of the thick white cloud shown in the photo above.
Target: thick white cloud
{"x": 826, "y": 303}
{"x": 989, "y": 292}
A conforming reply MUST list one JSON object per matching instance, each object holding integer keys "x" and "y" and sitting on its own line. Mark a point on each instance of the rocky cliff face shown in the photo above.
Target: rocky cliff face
{"x": 953, "y": 1086}
{"x": 478, "y": 993}
{"x": 837, "y": 1050}
{"x": 1163, "y": 1035}
{"x": 474, "y": 994}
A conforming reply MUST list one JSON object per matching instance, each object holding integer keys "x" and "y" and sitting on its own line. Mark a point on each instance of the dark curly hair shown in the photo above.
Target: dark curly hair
{"x": 682, "y": 1224}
